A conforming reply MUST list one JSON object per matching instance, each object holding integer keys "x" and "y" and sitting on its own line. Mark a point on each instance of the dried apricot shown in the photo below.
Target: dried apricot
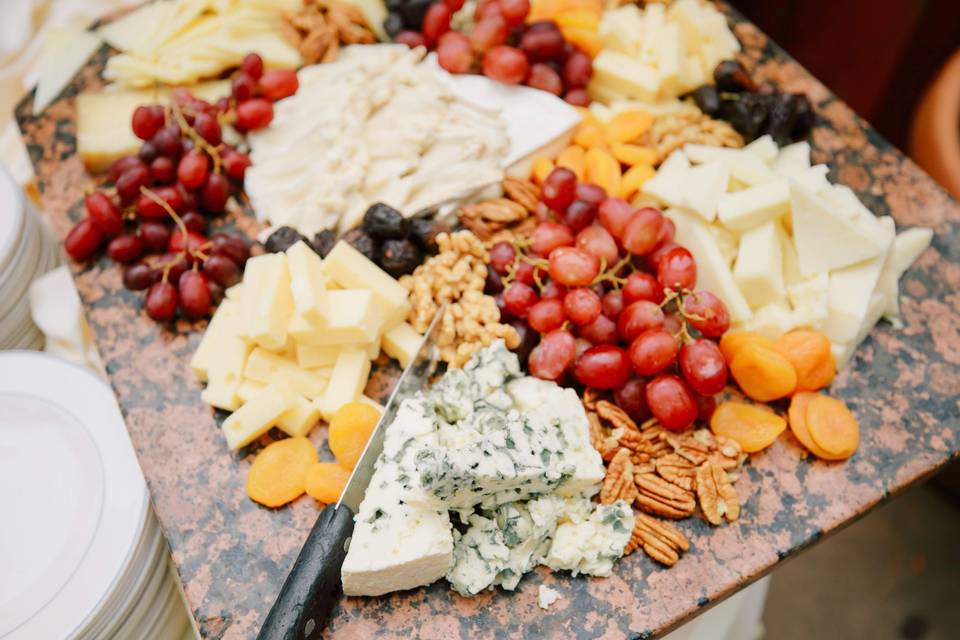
{"x": 278, "y": 474}
{"x": 762, "y": 373}
{"x": 573, "y": 158}
{"x": 350, "y": 428}
{"x": 627, "y": 126}
{"x": 811, "y": 356}
{"x": 325, "y": 481}
{"x": 589, "y": 134}
{"x": 797, "y": 416}
{"x": 731, "y": 342}
{"x": 603, "y": 170}
{"x": 833, "y": 427}
{"x": 634, "y": 178}
{"x": 633, "y": 154}
{"x": 586, "y": 40}
{"x": 579, "y": 18}
{"x": 752, "y": 427}
{"x": 541, "y": 169}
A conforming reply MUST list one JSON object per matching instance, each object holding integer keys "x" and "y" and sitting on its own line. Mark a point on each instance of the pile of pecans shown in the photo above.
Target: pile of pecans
{"x": 664, "y": 474}
{"x": 319, "y": 28}
{"x": 503, "y": 219}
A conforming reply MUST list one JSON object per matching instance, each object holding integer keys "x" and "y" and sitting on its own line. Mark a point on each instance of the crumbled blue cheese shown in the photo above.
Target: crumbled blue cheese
{"x": 546, "y": 596}
{"x": 593, "y": 544}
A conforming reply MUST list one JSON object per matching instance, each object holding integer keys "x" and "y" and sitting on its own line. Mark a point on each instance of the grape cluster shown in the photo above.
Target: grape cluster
{"x": 754, "y": 110}
{"x": 162, "y": 197}
{"x": 502, "y": 47}
{"x": 603, "y": 296}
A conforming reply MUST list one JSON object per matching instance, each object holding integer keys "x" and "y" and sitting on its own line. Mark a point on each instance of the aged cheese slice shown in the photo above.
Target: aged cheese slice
{"x": 347, "y": 380}
{"x": 402, "y": 342}
{"x": 267, "y": 304}
{"x": 307, "y": 283}
{"x": 247, "y": 389}
{"x": 100, "y": 140}
{"x": 220, "y": 328}
{"x": 352, "y": 270}
{"x": 255, "y": 418}
{"x": 299, "y": 419}
{"x": 352, "y": 316}
{"x": 759, "y": 268}
{"x": 809, "y": 299}
{"x": 792, "y": 159}
{"x": 313, "y": 356}
{"x": 752, "y": 207}
{"x": 626, "y": 75}
{"x": 268, "y": 367}
{"x": 813, "y": 179}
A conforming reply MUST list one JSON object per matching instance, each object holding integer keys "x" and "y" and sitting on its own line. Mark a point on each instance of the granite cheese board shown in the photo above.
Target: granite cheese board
{"x": 233, "y": 555}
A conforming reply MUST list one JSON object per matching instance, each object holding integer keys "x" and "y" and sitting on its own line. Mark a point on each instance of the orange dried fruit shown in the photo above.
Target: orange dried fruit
{"x": 350, "y": 428}
{"x": 545, "y": 9}
{"x": 797, "y": 416}
{"x": 278, "y": 474}
{"x": 573, "y": 158}
{"x": 578, "y": 18}
{"x": 811, "y": 356}
{"x": 832, "y": 427}
{"x": 627, "y": 126}
{"x": 325, "y": 481}
{"x": 589, "y": 134}
{"x": 541, "y": 169}
{"x": 634, "y": 178}
{"x": 603, "y": 170}
{"x": 762, "y": 373}
{"x": 731, "y": 343}
{"x": 753, "y": 428}
{"x": 587, "y": 40}
{"x": 633, "y": 154}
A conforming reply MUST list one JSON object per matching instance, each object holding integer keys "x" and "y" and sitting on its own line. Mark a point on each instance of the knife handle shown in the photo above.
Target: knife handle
{"x": 312, "y": 587}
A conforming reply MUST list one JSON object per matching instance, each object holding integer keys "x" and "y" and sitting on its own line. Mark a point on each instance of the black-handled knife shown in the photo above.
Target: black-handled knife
{"x": 313, "y": 585}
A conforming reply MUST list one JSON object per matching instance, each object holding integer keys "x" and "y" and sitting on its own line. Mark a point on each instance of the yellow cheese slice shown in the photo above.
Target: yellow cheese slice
{"x": 255, "y": 418}
{"x": 347, "y": 381}
{"x": 267, "y": 367}
{"x": 300, "y": 418}
{"x": 352, "y": 270}
{"x": 307, "y": 283}
{"x": 402, "y": 343}
{"x": 267, "y": 304}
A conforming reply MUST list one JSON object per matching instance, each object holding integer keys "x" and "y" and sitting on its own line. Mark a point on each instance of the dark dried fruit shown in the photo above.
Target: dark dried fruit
{"x": 323, "y": 242}
{"x": 282, "y": 239}
{"x": 400, "y": 257}
{"x": 782, "y": 117}
{"x": 413, "y": 13}
{"x": 424, "y": 232}
{"x": 731, "y": 76}
{"x": 384, "y": 222}
{"x": 805, "y": 117}
{"x": 362, "y": 242}
{"x": 747, "y": 113}
{"x": 393, "y": 24}
{"x": 707, "y": 99}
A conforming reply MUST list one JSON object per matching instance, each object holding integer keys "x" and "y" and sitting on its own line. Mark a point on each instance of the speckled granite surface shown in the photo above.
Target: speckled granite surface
{"x": 233, "y": 555}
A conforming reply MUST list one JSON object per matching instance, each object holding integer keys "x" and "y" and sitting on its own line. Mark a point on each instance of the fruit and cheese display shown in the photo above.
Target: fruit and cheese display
{"x": 483, "y": 477}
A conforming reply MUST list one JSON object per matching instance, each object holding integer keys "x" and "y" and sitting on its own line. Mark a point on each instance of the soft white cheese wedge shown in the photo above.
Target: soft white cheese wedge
{"x": 907, "y": 247}
{"x": 759, "y": 268}
{"x": 749, "y": 208}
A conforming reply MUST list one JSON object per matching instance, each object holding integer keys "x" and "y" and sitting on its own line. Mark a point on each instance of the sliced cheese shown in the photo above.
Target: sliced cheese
{"x": 764, "y": 148}
{"x": 744, "y": 166}
{"x": 625, "y": 74}
{"x": 809, "y": 299}
{"x": 771, "y": 321}
{"x": 755, "y": 206}
{"x": 792, "y": 159}
{"x": 64, "y": 52}
{"x": 220, "y": 329}
{"x": 813, "y": 179}
{"x": 908, "y": 246}
{"x": 299, "y": 419}
{"x": 314, "y": 356}
{"x": 307, "y": 283}
{"x": 351, "y": 317}
{"x": 255, "y": 418}
{"x": 267, "y": 303}
{"x": 347, "y": 380}
{"x": 227, "y": 360}
{"x": 248, "y": 389}
{"x": 759, "y": 268}
{"x": 350, "y": 269}
{"x": 267, "y": 367}
{"x": 402, "y": 343}
{"x": 705, "y": 185}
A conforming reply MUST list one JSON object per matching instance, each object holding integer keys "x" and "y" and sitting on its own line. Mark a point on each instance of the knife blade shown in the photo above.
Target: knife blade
{"x": 311, "y": 588}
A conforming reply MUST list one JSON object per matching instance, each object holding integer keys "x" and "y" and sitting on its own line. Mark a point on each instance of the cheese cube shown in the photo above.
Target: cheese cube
{"x": 793, "y": 159}
{"x": 299, "y": 419}
{"x": 743, "y": 165}
{"x": 764, "y": 148}
{"x": 267, "y": 367}
{"x": 626, "y": 75}
{"x": 220, "y": 327}
{"x": 352, "y": 316}
{"x": 705, "y": 186}
{"x": 772, "y": 321}
{"x": 307, "y": 283}
{"x": 311, "y": 357}
{"x": 402, "y": 343}
{"x": 754, "y": 206}
{"x": 255, "y": 418}
{"x": 267, "y": 303}
{"x": 810, "y": 299}
{"x": 813, "y": 179}
{"x": 347, "y": 380}
{"x": 247, "y": 389}
{"x": 907, "y": 247}
{"x": 759, "y": 268}
{"x": 225, "y": 372}
{"x": 350, "y": 269}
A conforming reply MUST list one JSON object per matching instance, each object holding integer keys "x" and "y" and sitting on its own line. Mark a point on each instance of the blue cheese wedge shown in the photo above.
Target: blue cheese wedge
{"x": 593, "y": 544}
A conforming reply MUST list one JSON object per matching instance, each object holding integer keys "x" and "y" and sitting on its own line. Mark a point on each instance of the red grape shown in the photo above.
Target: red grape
{"x": 453, "y": 52}
{"x": 573, "y": 267}
{"x": 547, "y": 236}
{"x": 125, "y": 248}
{"x": 591, "y": 193}
{"x": 252, "y": 65}
{"x": 455, "y": 5}
{"x": 598, "y": 242}
{"x": 642, "y": 286}
{"x": 436, "y": 22}
{"x": 119, "y": 166}
{"x": 194, "y": 295}
{"x": 488, "y": 33}
{"x": 195, "y": 222}
{"x": 83, "y": 240}
{"x": 137, "y": 277}
{"x": 233, "y": 246}
{"x": 707, "y": 313}
{"x": 653, "y": 259}
{"x": 642, "y": 231}
{"x": 559, "y": 188}
{"x": 544, "y": 77}
{"x": 528, "y": 340}
{"x": 505, "y": 64}
{"x": 208, "y": 128}
{"x": 167, "y": 140}
{"x": 162, "y": 170}
{"x": 504, "y": 312}
{"x": 582, "y": 345}
{"x": 579, "y": 215}
{"x": 255, "y": 113}
{"x": 412, "y": 39}
{"x": 546, "y": 315}
{"x": 154, "y": 235}
{"x": 175, "y": 265}
{"x": 673, "y": 323}
{"x": 630, "y": 398}
{"x": 706, "y": 405}
{"x": 130, "y": 181}
{"x": 161, "y": 301}
{"x": 671, "y": 402}
{"x": 543, "y": 43}
{"x": 502, "y": 255}
{"x": 147, "y": 120}
{"x": 577, "y": 97}
{"x": 553, "y": 356}
{"x": 653, "y": 351}
{"x": 602, "y": 367}
{"x": 235, "y": 164}
{"x": 515, "y": 11}
{"x": 104, "y": 213}
{"x": 243, "y": 87}
{"x": 668, "y": 231}
{"x": 612, "y": 303}
{"x": 518, "y": 298}
{"x": 193, "y": 241}
{"x": 677, "y": 269}
{"x": 603, "y": 330}
{"x": 278, "y": 84}
{"x": 147, "y": 152}
{"x": 553, "y": 291}
{"x": 486, "y": 8}
{"x": 222, "y": 270}
{"x": 524, "y": 273}
{"x": 148, "y": 208}
{"x": 193, "y": 169}
{"x": 703, "y": 366}
{"x": 577, "y": 70}
{"x": 614, "y": 214}
{"x": 215, "y": 192}
{"x": 582, "y": 305}
{"x": 637, "y": 318}
{"x": 493, "y": 283}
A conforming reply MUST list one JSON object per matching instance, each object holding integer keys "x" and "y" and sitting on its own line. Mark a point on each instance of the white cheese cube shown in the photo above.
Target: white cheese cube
{"x": 266, "y": 367}
{"x": 809, "y": 299}
{"x": 752, "y": 207}
{"x": 299, "y": 419}
{"x": 759, "y": 268}
{"x": 314, "y": 356}
{"x": 771, "y": 321}
{"x": 352, "y": 316}
{"x": 247, "y": 389}
{"x": 743, "y": 165}
{"x": 764, "y": 148}
{"x": 792, "y": 159}
{"x": 705, "y": 186}
{"x": 713, "y": 271}
{"x": 255, "y": 418}
{"x": 219, "y": 329}
{"x": 307, "y": 283}
{"x": 347, "y": 380}
{"x": 626, "y": 74}
{"x": 350, "y": 269}
{"x": 813, "y": 179}
{"x": 267, "y": 303}
{"x": 402, "y": 343}
{"x": 228, "y": 359}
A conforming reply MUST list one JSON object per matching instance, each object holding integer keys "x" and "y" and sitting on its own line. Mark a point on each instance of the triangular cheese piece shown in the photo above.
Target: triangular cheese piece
{"x": 64, "y": 52}
{"x": 826, "y": 240}
{"x": 669, "y": 187}
{"x": 764, "y": 148}
{"x": 705, "y": 184}
{"x": 793, "y": 159}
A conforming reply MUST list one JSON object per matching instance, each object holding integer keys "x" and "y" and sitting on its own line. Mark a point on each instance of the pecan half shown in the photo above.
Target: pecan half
{"x": 689, "y": 447}
{"x": 618, "y": 483}
{"x": 659, "y": 497}
{"x": 590, "y": 397}
{"x": 659, "y": 539}
{"x": 523, "y": 192}
{"x": 487, "y": 217}
{"x": 616, "y": 416}
{"x": 597, "y": 436}
{"x": 678, "y": 470}
{"x": 718, "y": 498}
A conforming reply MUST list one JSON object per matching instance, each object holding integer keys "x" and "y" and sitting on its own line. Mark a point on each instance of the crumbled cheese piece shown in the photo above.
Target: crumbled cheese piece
{"x": 546, "y": 596}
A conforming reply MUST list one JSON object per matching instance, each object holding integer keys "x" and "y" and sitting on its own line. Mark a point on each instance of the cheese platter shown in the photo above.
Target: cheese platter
{"x": 643, "y": 282}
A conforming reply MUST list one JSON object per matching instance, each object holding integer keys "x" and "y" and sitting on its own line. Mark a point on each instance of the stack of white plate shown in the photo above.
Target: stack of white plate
{"x": 27, "y": 250}
{"x": 81, "y": 552}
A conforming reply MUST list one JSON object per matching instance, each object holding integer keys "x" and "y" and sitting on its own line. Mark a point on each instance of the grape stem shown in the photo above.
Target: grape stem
{"x": 679, "y": 296}
{"x": 196, "y": 137}
{"x": 610, "y": 275}
{"x": 196, "y": 253}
